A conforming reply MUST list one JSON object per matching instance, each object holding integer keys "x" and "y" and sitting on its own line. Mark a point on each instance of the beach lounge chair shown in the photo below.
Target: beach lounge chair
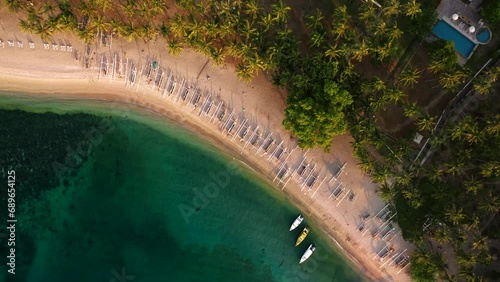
{"x": 11, "y": 43}
{"x": 19, "y": 44}
{"x": 46, "y": 46}
{"x": 55, "y": 46}
{"x": 2, "y": 44}
{"x": 32, "y": 45}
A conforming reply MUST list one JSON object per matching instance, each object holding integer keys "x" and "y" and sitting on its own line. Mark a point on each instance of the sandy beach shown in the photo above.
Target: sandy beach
{"x": 340, "y": 200}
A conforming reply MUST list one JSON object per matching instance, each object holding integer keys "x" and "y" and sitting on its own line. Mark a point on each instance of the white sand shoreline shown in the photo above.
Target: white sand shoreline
{"x": 58, "y": 75}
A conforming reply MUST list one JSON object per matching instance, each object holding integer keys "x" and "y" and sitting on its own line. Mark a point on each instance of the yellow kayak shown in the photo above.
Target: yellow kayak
{"x": 302, "y": 236}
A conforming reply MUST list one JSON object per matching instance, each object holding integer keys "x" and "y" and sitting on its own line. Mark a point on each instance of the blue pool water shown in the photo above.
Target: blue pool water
{"x": 463, "y": 45}
{"x": 483, "y": 35}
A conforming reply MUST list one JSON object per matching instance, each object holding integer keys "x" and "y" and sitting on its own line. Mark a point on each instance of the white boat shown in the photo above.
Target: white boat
{"x": 307, "y": 253}
{"x": 296, "y": 222}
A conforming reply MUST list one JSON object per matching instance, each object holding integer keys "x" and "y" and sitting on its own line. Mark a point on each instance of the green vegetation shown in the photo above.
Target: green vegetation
{"x": 358, "y": 68}
{"x": 316, "y": 104}
{"x": 491, "y": 12}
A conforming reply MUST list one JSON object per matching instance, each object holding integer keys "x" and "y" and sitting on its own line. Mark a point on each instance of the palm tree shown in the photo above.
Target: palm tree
{"x": 13, "y": 5}
{"x": 104, "y": 5}
{"x": 252, "y": 8}
{"x": 158, "y": 7}
{"x": 367, "y": 13}
{"x": 87, "y": 9}
{"x": 412, "y": 8}
{"x": 340, "y": 14}
{"x": 367, "y": 166}
{"x": 436, "y": 173}
{"x": 409, "y": 77}
{"x": 244, "y": 72}
{"x": 116, "y": 27}
{"x": 392, "y": 8}
{"x": 178, "y": 26}
{"x": 266, "y": 21}
{"x": 393, "y": 95}
{"x": 26, "y": 26}
{"x": 333, "y": 52}
{"x": 473, "y": 185}
{"x": 348, "y": 72}
{"x": 466, "y": 259}
{"x": 394, "y": 33}
{"x": 482, "y": 85}
{"x": 436, "y": 66}
{"x": 149, "y": 32}
{"x": 87, "y": 36}
{"x": 381, "y": 173}
{"x": 404, "y": 178}
{"x": 317, "y": 39}
{"x": 382, "y": 52}
{"x": 33, "y": 15}
{"x": 66, "y": 22}
{"x": 378, "y": 84}
{"x": 280, "y": 11}
{"x": 99, "y": 24}
{"x": 47, "y": 8}
{"x": 218, "y": 56}
{"x": 385, "y": 192}
{"x": 412, "y": 110}
{"x": 454, "y": 215}
{"x": 490, "y": 169}
{"x": 426, "y": 123}
{"x": 456, "y": 167}
{"x": 340, "y": 29}
{"x": 491, "y": 203}
{"x": 175, "y": 48}
{"x": 493, "y": 74}
{"x": 361, "y": 51}
{"x": 130, "y": 10}
{"x": 131, "y": 32}
{"x": 249, "y": 31}
{"x": 452, "y": 80}
{"x": 467, "y": 274}
{"x": 314, "y": 21}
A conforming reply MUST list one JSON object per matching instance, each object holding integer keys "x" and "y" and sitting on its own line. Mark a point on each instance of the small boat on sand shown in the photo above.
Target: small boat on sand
{"x": 307, "y": 253}
{"x": 302, "y": 236}
{"x": 296, "y": 222}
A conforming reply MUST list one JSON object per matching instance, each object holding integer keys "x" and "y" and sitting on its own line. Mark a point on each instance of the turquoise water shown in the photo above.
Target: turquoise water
{"x": 483, "y": 35}
{"x": 463, "y": 45}
{"x": 155, "y": 203}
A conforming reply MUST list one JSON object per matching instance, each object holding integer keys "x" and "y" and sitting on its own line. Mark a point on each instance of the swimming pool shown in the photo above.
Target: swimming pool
{"x": 483, "y": 35}
{"x": 463, "y": 45}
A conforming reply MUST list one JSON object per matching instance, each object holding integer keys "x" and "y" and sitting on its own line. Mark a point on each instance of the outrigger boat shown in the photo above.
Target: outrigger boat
{"x": 296, "y": 222}
{"x": 302, "y": 236}
{"x": 307, "y": 253}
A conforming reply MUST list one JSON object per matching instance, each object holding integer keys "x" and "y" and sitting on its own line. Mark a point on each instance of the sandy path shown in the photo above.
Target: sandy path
{"x": 58, "y": 74}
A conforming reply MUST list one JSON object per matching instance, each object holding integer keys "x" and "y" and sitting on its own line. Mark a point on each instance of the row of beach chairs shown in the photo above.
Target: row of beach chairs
{"x": 46, "y": 46}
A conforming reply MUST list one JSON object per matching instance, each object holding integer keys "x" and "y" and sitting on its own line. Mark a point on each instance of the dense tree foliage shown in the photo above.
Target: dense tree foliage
{"x": 491, "y": 12}
{"x": 316, "y": 103}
